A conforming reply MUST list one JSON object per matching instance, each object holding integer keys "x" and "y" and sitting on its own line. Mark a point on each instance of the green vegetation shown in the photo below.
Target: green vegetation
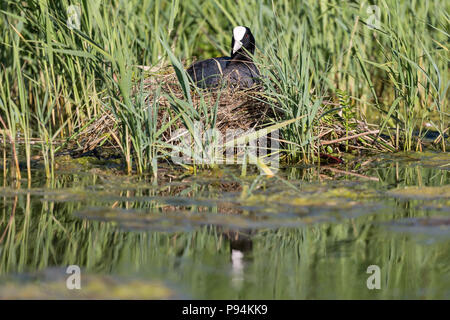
{"x": 336, "y": 81}
{"x": 315, "y": 56}
{"x": 134, "y": 240}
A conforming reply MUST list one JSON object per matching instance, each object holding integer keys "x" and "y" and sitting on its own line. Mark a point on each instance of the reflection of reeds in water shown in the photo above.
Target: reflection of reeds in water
{"x": 327, "y": 260}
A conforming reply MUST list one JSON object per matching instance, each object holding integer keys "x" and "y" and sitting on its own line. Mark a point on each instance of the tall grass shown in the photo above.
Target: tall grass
{"x": 55, "y": 80}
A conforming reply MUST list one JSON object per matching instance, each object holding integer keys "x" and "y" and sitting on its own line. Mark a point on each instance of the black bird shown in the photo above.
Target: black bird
{"x": 238, "y": 69}
{"x": 241, "y": 70}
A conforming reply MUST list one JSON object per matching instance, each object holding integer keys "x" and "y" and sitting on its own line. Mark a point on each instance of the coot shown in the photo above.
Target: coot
{"x": 238, "y": 69}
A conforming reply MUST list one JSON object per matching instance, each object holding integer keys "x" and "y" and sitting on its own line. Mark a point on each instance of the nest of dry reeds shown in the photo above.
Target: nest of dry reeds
{"x": 237, "y": 109}
{"x": 243, "y": 109}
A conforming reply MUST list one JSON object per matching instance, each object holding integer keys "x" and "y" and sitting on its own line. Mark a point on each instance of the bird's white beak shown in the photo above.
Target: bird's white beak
{"x": 237, "y": 46}
{"x": 238, "y": 35}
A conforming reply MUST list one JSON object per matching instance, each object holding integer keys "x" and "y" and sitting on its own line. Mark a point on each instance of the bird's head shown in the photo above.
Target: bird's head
{"x": 242, "y": 41}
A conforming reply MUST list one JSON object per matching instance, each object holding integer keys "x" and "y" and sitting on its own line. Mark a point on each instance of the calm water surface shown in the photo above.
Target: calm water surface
{"x": 309, "y": 233}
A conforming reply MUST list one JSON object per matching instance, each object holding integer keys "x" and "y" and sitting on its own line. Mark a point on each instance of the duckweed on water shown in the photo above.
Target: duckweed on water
{"x": 93, "y": 287}
{"x": 441, "y": 192}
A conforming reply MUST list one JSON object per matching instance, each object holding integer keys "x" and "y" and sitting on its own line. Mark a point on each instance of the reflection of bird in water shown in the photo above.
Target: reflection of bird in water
{"x": 241, "y": 245}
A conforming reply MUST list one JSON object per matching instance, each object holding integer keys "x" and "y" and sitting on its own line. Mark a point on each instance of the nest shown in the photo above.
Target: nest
{"x": 237, "y": 109}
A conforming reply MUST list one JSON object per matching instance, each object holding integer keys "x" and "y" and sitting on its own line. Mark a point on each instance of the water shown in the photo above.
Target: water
{"x": 309, "y": 233}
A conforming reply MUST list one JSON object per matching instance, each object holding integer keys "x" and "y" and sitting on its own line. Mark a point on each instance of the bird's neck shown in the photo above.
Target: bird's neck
{"x": 241, "y": 56}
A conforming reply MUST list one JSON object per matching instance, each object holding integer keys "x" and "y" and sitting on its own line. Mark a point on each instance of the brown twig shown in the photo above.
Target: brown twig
{"x": 351, "y": 174}
{"x": 350, "y": 137}
{"x": 13, "y": 145}
{"x": 11, "y": 218}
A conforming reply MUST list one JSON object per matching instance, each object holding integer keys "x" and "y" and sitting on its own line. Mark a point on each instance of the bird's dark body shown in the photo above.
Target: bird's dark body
{"x": 242, "y": 73}
{"x": 237, "y": 70}
{"x": 208, "y": 73}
